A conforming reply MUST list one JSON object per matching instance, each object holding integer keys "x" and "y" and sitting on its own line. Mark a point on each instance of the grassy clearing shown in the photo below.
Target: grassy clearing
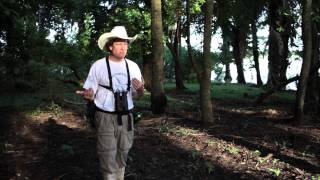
{"x": 218, "y": 91}
{"x": 238, "y": 92}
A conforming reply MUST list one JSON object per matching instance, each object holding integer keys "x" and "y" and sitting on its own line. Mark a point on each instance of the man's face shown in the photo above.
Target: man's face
{"x": 119, "y": 48}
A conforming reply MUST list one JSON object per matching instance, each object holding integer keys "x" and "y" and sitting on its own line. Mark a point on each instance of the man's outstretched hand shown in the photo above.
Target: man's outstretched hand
{"x": 138, "y": 86}
{"x": 87, "y": 94}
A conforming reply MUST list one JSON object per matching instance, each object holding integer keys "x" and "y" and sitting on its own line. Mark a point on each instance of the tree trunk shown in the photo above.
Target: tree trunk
{"x": 176, "y": 55}
{"x": 100, "y": 18}
{"x": 255, "y": 50}
{"x": 239, "y": 42}
{"x": 41, "y": 16}
{"x": 190, "y": 53}
{"x": 278, "y": 43}
{"x": 272, "y": 90}
{"x": 174, "y": 47}
{"x": 227, "y": 77}
{"x": 205, "y": 84}
{"x": 313, "y": 89}
{"x": 226, "y": 57}
{"x": 147, "y": 71}
{"x": 158, "y": 98}
{"x": 307, "y": 55}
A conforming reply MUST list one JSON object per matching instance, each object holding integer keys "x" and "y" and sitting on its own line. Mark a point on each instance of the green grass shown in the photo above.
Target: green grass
{"x": 234, "y": 91}
{"x": 218, "y": 91}
{"x": 143, "y": 101}
{"x": 238, "y": 92}
{"x": 174, "y": 103}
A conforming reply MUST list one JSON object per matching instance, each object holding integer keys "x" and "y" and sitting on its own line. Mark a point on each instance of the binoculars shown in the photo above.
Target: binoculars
{"x": 121, "y": 101}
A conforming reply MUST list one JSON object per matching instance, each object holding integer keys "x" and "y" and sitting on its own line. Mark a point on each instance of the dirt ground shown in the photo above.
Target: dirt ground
{"x": 245, "y": 142}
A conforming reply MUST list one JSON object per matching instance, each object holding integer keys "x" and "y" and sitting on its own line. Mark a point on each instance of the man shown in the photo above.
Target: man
{"x": 111, "y": 84}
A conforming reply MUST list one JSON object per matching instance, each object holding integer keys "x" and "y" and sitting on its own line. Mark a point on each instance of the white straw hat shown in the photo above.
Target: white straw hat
{"x": 116, "y": 32}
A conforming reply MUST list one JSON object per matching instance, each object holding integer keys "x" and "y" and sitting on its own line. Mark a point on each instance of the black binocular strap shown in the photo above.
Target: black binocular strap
{"x": 119, "y": 119}
{"x": 129, "y": 122}
{"x": 110, "y": 87}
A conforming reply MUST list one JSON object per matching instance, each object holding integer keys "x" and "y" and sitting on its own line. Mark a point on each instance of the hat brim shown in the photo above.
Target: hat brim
{"x": 106, "y": 37}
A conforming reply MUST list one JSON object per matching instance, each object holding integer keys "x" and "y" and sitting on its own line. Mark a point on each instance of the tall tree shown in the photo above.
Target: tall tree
{"x": 313, "y": 89}
{"x": 307, "y": 57}
{"x": 191, "y": 57}
{"x": 239, "y": 46}
{"x": 226, "y": 56}
{"x": 233, "y": 20}
{"x": 205, "y": 84}
{"x": 255, "y": 48}
{"x": 224, "y": 14}
{"x": 174, "y": 39}
{"x": 158, "y": 97}
{"x": 280, "y": 31}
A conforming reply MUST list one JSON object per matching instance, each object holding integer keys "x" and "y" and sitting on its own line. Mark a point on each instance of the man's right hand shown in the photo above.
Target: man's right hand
{"x": 87, "y": 94}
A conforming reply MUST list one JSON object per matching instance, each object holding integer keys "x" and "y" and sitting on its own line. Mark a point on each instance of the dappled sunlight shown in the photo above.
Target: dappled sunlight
{"x": 41, "y": 144}
{"x": 244, "y": 143}
{"x": 68, "y": 119}
{"x": 226, "y": 154}
{"x": 240, "y": 111}
{"x": 312, "y": 131}
{"x": 274, "y": 113}
{"x": 258, "y": 112}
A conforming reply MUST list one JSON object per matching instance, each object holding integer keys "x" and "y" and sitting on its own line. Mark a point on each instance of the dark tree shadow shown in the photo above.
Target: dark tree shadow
{"x": 263, "y": 134}
{"x": 154, "y": 156}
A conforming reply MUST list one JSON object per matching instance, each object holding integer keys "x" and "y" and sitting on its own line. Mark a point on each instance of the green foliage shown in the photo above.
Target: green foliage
{"x": 184, "y": 132}
{"x": 209, "y": 166}
{"x": 55, "y": 109}
{"x": 315, "y": 178}
{"x": 211, "y": 142}
{"x": 196, "y": 6}
{"x": 263, "y": 160}
{"x": 275, "y": 161}
{"x": 195, "y": 154}
{"x": 187, "y": 71}
{"x": 166, "y": 127}
{"x": 257, "y": 152}
{"x": 86, "y": 34}
{"x": 233, "y": 150}
{"x": 36, "y": 112}
{"x": 276, "y": 171}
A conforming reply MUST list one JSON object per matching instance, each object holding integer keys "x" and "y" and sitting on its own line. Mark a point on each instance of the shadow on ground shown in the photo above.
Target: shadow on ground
{"x": 44, "y": 146}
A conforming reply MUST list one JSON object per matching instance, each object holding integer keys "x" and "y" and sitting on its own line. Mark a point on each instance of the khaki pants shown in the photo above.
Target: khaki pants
{"x": 113, "y": 144}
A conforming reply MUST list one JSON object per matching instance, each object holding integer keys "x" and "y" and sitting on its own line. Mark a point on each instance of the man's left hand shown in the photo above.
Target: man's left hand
{"x": 138, "y": 85}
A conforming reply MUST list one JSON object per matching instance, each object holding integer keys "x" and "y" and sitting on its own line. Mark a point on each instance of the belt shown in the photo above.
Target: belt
{"x": 119, "y": 116}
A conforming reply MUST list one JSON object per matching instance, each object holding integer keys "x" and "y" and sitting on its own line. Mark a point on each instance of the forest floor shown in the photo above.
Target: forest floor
{"x": 245, "y": 142}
